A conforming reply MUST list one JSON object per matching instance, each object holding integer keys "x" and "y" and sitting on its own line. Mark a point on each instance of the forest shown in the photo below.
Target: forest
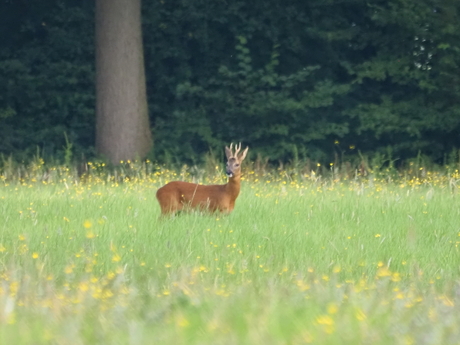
{"x": 307, "y": 79}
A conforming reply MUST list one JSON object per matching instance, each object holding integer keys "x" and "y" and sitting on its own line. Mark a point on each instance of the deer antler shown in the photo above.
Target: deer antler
{"x": 237, "y": 149}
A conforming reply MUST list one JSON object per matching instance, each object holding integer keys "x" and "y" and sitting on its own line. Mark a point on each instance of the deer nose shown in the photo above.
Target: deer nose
{"x": 229, "y": 172}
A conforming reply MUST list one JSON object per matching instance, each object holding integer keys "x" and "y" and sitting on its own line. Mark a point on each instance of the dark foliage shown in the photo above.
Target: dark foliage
{"x": 286, "y": 78}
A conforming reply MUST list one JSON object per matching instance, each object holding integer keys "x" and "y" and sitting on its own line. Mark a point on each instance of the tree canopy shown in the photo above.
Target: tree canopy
{"x": 311, "y": 77}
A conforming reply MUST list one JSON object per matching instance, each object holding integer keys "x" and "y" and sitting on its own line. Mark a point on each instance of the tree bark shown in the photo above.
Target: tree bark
{"x": 122, "y": 122}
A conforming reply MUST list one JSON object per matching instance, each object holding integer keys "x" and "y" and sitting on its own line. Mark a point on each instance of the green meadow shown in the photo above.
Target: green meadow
{"x": 303, "y": 259}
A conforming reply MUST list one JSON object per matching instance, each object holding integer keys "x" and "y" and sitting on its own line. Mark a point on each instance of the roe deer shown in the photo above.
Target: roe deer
{"x": 178, "y": 195}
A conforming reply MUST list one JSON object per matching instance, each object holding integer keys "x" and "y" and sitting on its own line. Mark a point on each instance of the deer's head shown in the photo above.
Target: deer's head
{"x": 234, "y": 160}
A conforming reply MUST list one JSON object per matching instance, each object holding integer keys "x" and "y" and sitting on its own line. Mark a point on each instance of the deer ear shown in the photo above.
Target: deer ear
{"x": 243, "y": 155}
{"x": 228, "y": 152}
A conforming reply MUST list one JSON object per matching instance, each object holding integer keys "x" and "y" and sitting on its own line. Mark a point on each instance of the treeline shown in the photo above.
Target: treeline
{"x": 310, "y": 79}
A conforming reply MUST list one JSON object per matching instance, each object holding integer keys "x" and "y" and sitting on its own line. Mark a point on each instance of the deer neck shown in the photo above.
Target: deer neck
{"x": 233, "y": 185}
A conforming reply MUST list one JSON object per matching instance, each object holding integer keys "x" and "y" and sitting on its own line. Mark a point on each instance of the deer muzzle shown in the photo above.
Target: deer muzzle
{"x": 229, "y": 172}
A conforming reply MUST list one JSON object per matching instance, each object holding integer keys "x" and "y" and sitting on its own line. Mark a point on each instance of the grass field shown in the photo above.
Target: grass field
{"x": 302, "y": 259}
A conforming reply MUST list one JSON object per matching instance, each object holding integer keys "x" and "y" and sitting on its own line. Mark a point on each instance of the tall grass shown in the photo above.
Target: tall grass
{"x": 302, "y": 259}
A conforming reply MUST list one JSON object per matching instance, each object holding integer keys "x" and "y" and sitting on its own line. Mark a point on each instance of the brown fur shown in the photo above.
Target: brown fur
{"x": 179, "y": 195}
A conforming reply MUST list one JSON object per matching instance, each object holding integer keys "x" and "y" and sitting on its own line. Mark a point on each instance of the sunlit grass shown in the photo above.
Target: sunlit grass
{"x": 302, "y": 259}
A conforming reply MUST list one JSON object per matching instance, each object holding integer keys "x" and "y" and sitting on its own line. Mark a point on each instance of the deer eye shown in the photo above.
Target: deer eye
{"x": 237, "y": 165}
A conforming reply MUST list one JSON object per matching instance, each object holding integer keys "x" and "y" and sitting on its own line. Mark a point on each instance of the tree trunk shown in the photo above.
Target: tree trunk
{"x": 122, "y": 123}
